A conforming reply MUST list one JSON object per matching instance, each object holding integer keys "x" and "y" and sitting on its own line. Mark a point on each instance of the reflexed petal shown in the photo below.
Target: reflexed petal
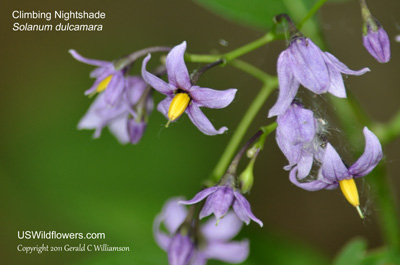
{"x": 161, "y": 238}
{"x": 118, "y": 127}
{"x": 305, "y": 164}
{"x": 314, "y": 185}
{"x": 173, "y": 214}
{"x": 378, "y": 45}
{"x": 332, "y": 167}
{"x": 163, "y": 106}
{"x": 227, "y": 228}
{"x": 201, "y": 121}
{"x": 297, "y": 125}
{"x": 221, "y": 200}
{"x": 157, "y": 83}
{"x": 341, "y": 67}
{"x": 371, "y": 156}
{"x": 135, "y": 87}
{"x": 292, "y": 152}
{"x": 200, "y": 196}
{"x": 135, "y": 130}
{"x": 288, "y": 86}
{"x": 82, "y": 59}
{"x": 210, "y": 98}
{"x": 232, "y": 252}
{"x": 207, "y": 209}
{"x": 243, "y": 210}
{"x": 308, "y": 65}
{"x": 180, "y": 250}
{"x": 178, "y": 75}
{"x": 337, "y": 86}
{"x": 115, "y": 88}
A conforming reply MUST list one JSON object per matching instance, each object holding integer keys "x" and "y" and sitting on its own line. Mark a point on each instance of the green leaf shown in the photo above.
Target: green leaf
{"x": 352, "y": 253}
{"x": 256, "y": 13}
{"x": 382, "y": 256}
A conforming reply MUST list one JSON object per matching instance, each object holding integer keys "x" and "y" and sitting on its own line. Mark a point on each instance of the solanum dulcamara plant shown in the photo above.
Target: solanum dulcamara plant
{"x": 124, "y": 104}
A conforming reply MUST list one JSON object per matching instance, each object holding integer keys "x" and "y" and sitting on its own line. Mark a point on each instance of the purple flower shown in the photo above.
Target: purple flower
{"x": 333, "y": 170}
{"x": 299, "y": 137}
{"x": 107, "y": 78}
{"x": 188, "y": 245}
{"x": 182, "y": 96}
{"x": 304, "y": 63}
{"x": 377, "y": 44}
{"x": 219, "y": 200}
{"x": 127, "y": 119}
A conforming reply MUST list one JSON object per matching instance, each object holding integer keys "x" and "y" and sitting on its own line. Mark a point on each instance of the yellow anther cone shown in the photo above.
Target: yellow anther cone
{"x": 349, "y": 189}
{"x": 104, "y": 84}
{"x": 178, "y": 106}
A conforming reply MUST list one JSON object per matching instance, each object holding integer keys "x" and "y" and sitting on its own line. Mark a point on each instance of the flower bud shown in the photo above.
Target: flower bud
{"x": 247, "y": 178}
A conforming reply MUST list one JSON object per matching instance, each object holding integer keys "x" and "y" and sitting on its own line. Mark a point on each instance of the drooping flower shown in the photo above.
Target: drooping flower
{"x": 220, "y": 198}
{"x": 300, "y": 137}
{"x": 304, "y": 63}
{"x": 182, "y": 96}
{"x": 187, "y": 244}
{"x": 127, "y": 119}
{"x": 334, "y": 172}
{"x": 108, "y": 78}
{"x": 375, "y": 38}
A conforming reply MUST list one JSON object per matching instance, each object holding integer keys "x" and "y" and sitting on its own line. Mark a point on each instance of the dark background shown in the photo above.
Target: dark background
{"x": 54, "y": 177}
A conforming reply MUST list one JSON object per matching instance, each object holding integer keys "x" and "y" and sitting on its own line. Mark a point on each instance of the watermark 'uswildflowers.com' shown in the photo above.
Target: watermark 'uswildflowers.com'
{"x": 58, "y": 235}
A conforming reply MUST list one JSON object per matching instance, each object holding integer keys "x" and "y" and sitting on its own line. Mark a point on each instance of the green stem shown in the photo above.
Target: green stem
{"x": 241, "y": 130}
{"x": 389, "y": 131}
{"x": 251, "y": 70}
{"x": 311, "y": 13}
{"x": 227, "y": 57}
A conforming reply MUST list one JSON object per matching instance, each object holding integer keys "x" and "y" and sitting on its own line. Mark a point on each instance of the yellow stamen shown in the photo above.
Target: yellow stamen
{"x": 349, "y": 189}
{"x": 103, "y": 84}
{"x": 178, "y": 106}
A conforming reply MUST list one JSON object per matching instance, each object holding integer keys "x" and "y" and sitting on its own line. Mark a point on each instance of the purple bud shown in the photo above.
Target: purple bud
{"x": 377, "y": 44}
{"x": 180, "y": 250}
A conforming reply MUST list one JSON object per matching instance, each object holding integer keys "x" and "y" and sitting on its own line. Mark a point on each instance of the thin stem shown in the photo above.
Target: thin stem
{"x": 227, "y": 57}
{"x": 389, "y": 131}
{"x": 201, "y": 71}
{"x": 131, "y": 58}
{"x": 241, "y": 130}
{"x": 311, "y": 13}
{"x": 250, "y": 69}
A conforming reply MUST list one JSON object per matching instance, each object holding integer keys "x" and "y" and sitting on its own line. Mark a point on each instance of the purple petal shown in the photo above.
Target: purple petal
{"x": 200, "y": 120}
{"x": 337, "y": 86}
{"x": 227, "y": 228}
{"x": 173, "y": 214}
{"x": 115, "y": 88}
{"x": 82, "y": 59}
{"x": 305, "y": 164}
{"x": 180, "y": 250}
{"x": 314, "y": 185}
{"x": 207, "y": 209}
{"x": 341, "y": 67}
{"x": 155, "y": 82}
{"x": 198, "y": 259}
{"x": 371, "y": 156}
{"x": 178, "y": 75}
{"x": 308, "y": 65}
{"x": 161, "y": 238}
{"x": 118, "y": 127}
{"x": 200, "y": 196}
{"x": 163, "y": 106}
{"x": 332, "y": 167}
{"x": 135, "y": 130}
{"x": 288, "y": 86}
{"x": 291, "y": 152}
{"x": 243, "y": 210}
{"x": 220, "y": 201}
{"x": 377, "y": 44}
{"x": 231, "y": 252}
{"x": 210, "y": 98}
{"x": 135, "y": 87}
{"x": 297, "y": 125}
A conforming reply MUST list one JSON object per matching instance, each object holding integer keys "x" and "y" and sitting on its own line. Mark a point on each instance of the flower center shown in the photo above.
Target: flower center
{"x": 103, "y": 84}
{"x": 349, "y": 189}
{"x": 178, "y": 105}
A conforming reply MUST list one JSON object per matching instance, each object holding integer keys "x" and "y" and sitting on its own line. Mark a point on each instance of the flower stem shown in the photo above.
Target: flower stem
{"x": 389, "y": 131}
{"x": 227, "y": 57}
{"x": 258, "y": 102}
{"x": 311, "y": 13}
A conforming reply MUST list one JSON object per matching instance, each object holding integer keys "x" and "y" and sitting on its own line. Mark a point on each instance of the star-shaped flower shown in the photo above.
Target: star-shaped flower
{"x": 182, "y": 96}
{"x": 108, "y": 78}
{"x": 195, "y": 246}
{"x": 304, "y": 63}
